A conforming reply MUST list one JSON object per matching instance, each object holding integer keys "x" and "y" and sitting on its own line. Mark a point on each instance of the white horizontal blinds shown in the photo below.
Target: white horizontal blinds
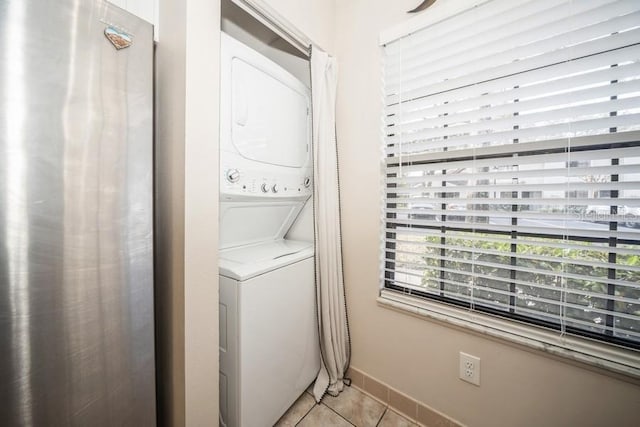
{"x": 512, "y": 163}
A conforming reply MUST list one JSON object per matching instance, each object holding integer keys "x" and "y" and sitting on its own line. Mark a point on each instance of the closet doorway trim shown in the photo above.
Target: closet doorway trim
{"x": 278, "y": 24}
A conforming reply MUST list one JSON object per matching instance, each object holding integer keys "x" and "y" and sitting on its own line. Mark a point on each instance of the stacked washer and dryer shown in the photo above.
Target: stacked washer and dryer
{"x": 268, "y": 330}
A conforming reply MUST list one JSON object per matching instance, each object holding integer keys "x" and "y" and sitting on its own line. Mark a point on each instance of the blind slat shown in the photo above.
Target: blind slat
{"x": 559, "y": 202}
{"x": 522, "y": 160}
{"x": 521, "y": 269}
{"x": 568, "y": 129}
{"x": 566, "y": 144}
{"x": 566, "y": 244}
{"x": 525, "y": 229}
{"x": 489, "y": 280}
{"x": 508, "y": 256}
{"x": 517, "y": 174}
{"x": 617, "y": 185}
{"x": 469, "y": 215}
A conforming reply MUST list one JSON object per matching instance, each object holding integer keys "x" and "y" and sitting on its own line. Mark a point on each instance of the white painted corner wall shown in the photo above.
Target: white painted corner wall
{"x": 315, "y": 18}
{"x": 186, "y": 177}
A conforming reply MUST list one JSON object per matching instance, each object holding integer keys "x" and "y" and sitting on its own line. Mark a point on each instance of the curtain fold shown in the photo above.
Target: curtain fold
{"x": 335, "y": 346}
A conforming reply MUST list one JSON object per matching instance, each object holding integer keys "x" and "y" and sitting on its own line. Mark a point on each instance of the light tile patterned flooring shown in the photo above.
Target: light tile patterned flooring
{"x": 350, "y": 408}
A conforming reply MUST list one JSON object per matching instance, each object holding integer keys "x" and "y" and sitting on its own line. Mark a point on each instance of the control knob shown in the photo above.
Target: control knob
{"x": 274, "y": 188}
{"x": 233, "y": 175}
{"x": 264, "y": 188}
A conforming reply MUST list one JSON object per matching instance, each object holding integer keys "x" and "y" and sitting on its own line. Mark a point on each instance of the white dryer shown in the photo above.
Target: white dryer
{"x": 265, "y": 146}
{"x": 269, "y": 348}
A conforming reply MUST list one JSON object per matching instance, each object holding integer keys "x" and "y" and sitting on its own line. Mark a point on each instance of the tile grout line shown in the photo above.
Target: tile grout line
{"x": 384, "y": 405}
{"x": 306, "y": 413}
{"x": 386, "y": 408}
{"x": 338, "y": 413}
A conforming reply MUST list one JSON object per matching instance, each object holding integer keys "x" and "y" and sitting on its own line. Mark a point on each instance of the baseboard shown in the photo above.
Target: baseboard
{"x": 410, "y": 408}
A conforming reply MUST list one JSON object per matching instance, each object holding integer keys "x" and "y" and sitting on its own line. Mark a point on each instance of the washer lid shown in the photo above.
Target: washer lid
{"x": 244, "y": 262}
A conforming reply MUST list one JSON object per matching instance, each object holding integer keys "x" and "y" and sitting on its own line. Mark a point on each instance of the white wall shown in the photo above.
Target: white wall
{"x": 169, "y": 209}
{"x": 420, "y": 357}
{"x": 315, "y": 18}
{"x": 187, "y": 80}
{"x": 201, "y": 211}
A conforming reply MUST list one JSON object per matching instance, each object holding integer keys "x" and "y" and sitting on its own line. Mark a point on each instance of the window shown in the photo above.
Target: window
{"x": 512, "y": 165}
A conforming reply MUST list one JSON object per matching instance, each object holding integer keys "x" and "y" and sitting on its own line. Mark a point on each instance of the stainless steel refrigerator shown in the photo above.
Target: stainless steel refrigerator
{"x": 76, "y": 229}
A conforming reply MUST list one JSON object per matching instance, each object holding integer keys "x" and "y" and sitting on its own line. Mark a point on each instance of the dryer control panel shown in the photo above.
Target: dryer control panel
{"x": 272, "y": 184}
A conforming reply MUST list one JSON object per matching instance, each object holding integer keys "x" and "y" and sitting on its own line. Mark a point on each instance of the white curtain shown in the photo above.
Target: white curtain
{"x": 332, "y": 313}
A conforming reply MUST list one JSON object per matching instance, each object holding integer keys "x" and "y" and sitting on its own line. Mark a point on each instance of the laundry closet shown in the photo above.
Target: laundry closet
{"x": 268, "y": 329}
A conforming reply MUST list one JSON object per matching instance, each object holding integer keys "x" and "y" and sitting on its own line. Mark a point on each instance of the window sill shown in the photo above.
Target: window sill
{"x": 608, "y": 357}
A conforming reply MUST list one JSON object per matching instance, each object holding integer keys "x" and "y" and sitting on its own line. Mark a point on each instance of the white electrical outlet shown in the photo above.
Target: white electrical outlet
{"x": 470, "y": 368}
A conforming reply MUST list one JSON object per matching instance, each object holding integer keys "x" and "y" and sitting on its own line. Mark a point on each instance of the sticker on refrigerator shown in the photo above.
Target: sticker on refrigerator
{"x": 119, "y": 39}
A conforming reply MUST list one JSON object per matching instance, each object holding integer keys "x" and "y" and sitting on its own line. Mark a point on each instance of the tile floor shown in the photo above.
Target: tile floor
{"x": 350, "y": 408}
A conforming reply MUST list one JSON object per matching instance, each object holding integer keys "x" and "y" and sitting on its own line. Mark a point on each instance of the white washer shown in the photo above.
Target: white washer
{"x": 268, "y": 336}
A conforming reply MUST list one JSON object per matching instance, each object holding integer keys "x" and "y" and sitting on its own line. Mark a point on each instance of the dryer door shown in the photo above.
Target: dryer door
{"x": 270, "y": 120}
